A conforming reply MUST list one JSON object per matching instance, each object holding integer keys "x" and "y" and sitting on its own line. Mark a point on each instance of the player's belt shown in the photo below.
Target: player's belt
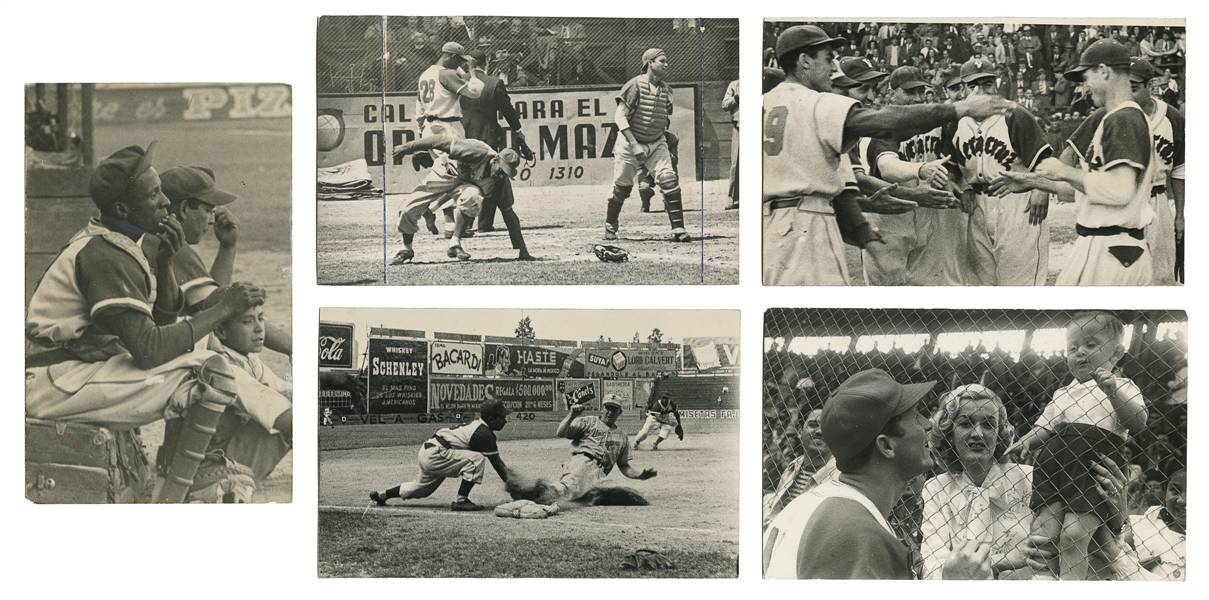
{"x": 1136, "y": 234}
{"x": 980, "y": 188}
{"x": 816, "y": 204}
{"x": 594, "y": 459}
{"x": 1158, "y": 189}
{"x": 443, "y": 119}
{"x": 440, "y": 441}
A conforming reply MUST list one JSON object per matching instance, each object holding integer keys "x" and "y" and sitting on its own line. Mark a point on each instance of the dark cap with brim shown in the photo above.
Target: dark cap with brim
{"x": 977, "y": 68}
{"x": 113, "y": 177}
{"x": 1140, "y": 70}
{"x": 805, "y": 36}
{"x": 843, "y": 82}
{"x": 860, "y": 70}
{"x": 1103, "y": 52}
{"x": 509, "y": 161}
{"x": 183, "y": 183}
{"x": 493, "y": 408}
{"x": 907, "y": 78}
{"x": 455, "y": 49}
{"x": 858, "y": 410}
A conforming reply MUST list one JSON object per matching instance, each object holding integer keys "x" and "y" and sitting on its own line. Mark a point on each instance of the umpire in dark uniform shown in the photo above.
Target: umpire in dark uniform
{"x": 480, "y": 117}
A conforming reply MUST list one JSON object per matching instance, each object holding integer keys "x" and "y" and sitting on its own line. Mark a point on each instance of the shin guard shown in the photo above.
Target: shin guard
{"x": 213, "y": 392}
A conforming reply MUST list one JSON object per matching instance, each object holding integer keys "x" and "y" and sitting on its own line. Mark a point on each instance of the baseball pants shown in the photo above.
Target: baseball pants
{"x": 891, "y": 263}
{"x": 452, "y": 129}
{"x": 942, "y": 256}
{"x": 1004, "y": 249}
{"x": 802, "y": 245}
{"x": 435, "y": 188}
{"x": 580, "y": 474}
{"x": 439, "y": 463}
{"x": 654, "y": 423}
{"x": 1160, "y": 234}
{"x": 1091, "y": 263}
{"x": 733, "y": 193}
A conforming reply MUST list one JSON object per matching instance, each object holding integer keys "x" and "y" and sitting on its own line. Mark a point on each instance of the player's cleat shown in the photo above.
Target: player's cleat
{"x": 610, "y": 232}
{"x": 430, "y": 221}
{"x": 403, "y": 256}
{"x": 732, "y": 206}
{"x": 469, "y": 233}
{"x": 458, "y": 253}
{"x": 635, "y": 445}
{"x": 525, "y": 256}
{"x": 646, "y": 207}
{"x": 655, "y": 447}
{"x": 465, "y": 506}
{"x": 486, "y": 228}
{"x": 681, "y": 237}
{"x": 376, "y": 497}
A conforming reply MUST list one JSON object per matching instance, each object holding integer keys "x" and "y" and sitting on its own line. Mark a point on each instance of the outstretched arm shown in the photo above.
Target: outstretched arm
{"x": 497, "y": 463}
{"x": 439, "y": 142}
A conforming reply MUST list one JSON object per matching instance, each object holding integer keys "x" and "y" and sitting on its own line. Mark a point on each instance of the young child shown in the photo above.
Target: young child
{"x": 1090, "y": 418}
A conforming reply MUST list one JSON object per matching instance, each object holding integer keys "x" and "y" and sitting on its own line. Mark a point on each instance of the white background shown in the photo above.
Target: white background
{"x": 257, "y": 551}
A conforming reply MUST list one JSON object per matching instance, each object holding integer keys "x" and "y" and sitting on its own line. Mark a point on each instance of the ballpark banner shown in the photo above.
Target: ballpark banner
{"x": 398, "y": 376}
{"x": 336, "y": 345}
{"x": 456, "y": 358}
{"x": 526, "y": 361}
{"x": 571, "y": 132}
{"x": 130, "y": 103}
{"x": 579, "y": 388}
{"x": 629, "y": 362}
{"x": 468, "y": 393}
{"x": 624, "y": 388}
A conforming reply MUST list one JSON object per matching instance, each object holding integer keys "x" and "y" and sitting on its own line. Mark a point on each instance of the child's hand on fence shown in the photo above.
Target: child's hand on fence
{"x": 1106, "y": 380}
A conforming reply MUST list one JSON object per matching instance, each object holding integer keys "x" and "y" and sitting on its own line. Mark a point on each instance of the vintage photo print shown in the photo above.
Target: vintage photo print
{"x": 158, "y": 293}
{"x": 527, "y": 151}
{"x": 975, "y": 444}
{"x": 1023, "y": 152}
{"x": 570, "y": 441}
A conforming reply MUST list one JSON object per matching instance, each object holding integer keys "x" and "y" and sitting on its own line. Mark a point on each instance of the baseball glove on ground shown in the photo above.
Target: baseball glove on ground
{"x": 610, "y": 253}
{"x": 647, "y": 560}
{"x": 613, "y": 495}
{"x": 680, "y": 432}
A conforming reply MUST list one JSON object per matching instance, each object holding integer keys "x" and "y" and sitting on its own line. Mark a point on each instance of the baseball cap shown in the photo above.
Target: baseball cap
{"x": 650, "y": 55}
{"x": 611, "y": 400}
{"x": 804, "y": 36}
{"x": 952, "y": 76}
{"x": 907, "y": 78}
{"x": 977, "y": 68}
{"x": 1140, "y": 70}
{"x": 1103, "y": 52}
{"x": 842, "y": 81}
{"x": 180, "y": 183}
{"x": 860, "y": 69}
{"x": 858, "y": 410}
{"x": 479, "y": 56}
{"x": 115, "y": 174}
{"x": 509, "y": 160}
{"x": 772, "y": 78}
{"x": 455, "y": 49}
{"x": 493, "y": 408}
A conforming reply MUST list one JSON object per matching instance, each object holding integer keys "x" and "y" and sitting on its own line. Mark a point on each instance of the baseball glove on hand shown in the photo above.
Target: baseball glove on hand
{"x": 524, "y": 150}
{"x": 610, "y": 253}
{"x": 680, "y": 432}
{"x": 647, "y": 560}
{"x": 647, "y": 473}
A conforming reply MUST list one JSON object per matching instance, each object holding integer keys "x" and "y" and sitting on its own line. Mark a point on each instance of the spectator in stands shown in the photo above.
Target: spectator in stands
{"x": 812, "y": 466}
{"x": 1159, "y": 535}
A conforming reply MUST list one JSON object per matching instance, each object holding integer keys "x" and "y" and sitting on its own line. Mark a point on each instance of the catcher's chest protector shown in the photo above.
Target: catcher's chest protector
{"x": 68, "y": 463}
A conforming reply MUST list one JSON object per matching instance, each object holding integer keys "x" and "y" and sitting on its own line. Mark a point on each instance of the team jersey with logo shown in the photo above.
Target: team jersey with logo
{"x": 434, "y": 99}
{"x": 1121, "y": 136}
{"x": 1167, "y": 133}
{"x": 475, "y": 436}
{"x": 983, "y": 150}
{"x": 918, "y": 149}
{"x": 656, "y": 407}
{"x": 591, "y": 437}
{"x": 803, "y": 142}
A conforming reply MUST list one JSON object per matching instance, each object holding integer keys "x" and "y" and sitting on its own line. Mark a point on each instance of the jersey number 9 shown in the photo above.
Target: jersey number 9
{"x": 774, "y": 130}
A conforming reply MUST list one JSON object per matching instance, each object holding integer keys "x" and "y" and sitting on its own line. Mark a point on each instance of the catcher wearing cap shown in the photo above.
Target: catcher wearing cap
{"x": 459, "y": 452}
{"x": 659, "y": 416}
{"x": 644, "y": 110}
{"x": 597, "y": 445}
{"x": 473, "y": 171}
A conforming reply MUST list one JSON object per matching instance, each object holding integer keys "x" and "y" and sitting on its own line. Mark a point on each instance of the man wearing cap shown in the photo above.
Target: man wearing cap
{"x": 197, "y": 204}
{"x": 1008, "y": 241}
{"x": 810, "y": 194}
{"x": 461, "y": 452}
{"x": 660, "y": 413}
{"x": 104, "y": 346}
{"x": 1113, "y": 183}
{"x": 919, "y": 247}
{"x": 481, "y": 120}
{"x": 474, "y": 170}
{"x": 838, "y": 529}
{"x": 644, "y": 110}
{"x": 597, "y": 444}
{"x": 730, "y": 102}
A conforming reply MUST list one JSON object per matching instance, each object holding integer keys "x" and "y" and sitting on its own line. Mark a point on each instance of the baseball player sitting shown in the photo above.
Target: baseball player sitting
{"x": 474, "y": 170}
{"x": 597, "y": 444}
{"x": 460, "y": 452}
{"x": 104, "y": 346}
{"x": 659, "y": 416}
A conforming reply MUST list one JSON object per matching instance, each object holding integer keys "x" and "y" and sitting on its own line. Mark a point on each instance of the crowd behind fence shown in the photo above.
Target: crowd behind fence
{"x": 808, "y": 354}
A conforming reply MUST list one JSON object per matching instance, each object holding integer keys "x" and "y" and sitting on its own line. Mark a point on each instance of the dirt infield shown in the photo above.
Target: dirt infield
{"x": 560, "y": 224}
{"x": 693, "y": 517}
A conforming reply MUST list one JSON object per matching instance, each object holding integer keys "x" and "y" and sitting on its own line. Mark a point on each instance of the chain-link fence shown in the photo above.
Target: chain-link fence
{"x": 1005, "y": 378}
{"x": 358, "y": 54}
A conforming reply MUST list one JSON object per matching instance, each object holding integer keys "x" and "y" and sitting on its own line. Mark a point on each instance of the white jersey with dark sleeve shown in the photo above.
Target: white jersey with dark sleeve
{"x": 475, "y": 436}
{"x": 803, "y": 142}
{"x": 591, "y": 437}
{"x": 1121, "y": 136}
{"x": 435, "y": 100}
{"x": 983, "y": 150}
{"x": 1167, "y": 131}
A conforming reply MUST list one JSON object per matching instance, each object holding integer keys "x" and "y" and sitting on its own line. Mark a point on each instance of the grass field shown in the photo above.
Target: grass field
{"x": 693, "y": 518}
{"x": 560, "y": 225}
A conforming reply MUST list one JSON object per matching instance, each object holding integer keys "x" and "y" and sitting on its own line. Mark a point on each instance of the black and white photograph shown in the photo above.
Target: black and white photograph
{"x": 527, "y": 150}
{"x": 506, "y": 443}
{"x": 1023, "y": 152}
{"x": 975, "y": 444}
{"x": 158, "y": 315}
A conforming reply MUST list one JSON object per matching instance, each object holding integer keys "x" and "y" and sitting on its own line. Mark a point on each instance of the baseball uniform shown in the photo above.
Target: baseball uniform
{"x": 459, "y": 452}
{"x": 327, "y": 417}
{"x": 1112, "y": 248}
{"x": 730, "y": 102}
{"x": 1003, "y": 248}
{"x": 1167, "y": 131}
{"x": 663, "y": 416}
{"x": 595, "y": 449}
{"x": 466, "y": 177}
